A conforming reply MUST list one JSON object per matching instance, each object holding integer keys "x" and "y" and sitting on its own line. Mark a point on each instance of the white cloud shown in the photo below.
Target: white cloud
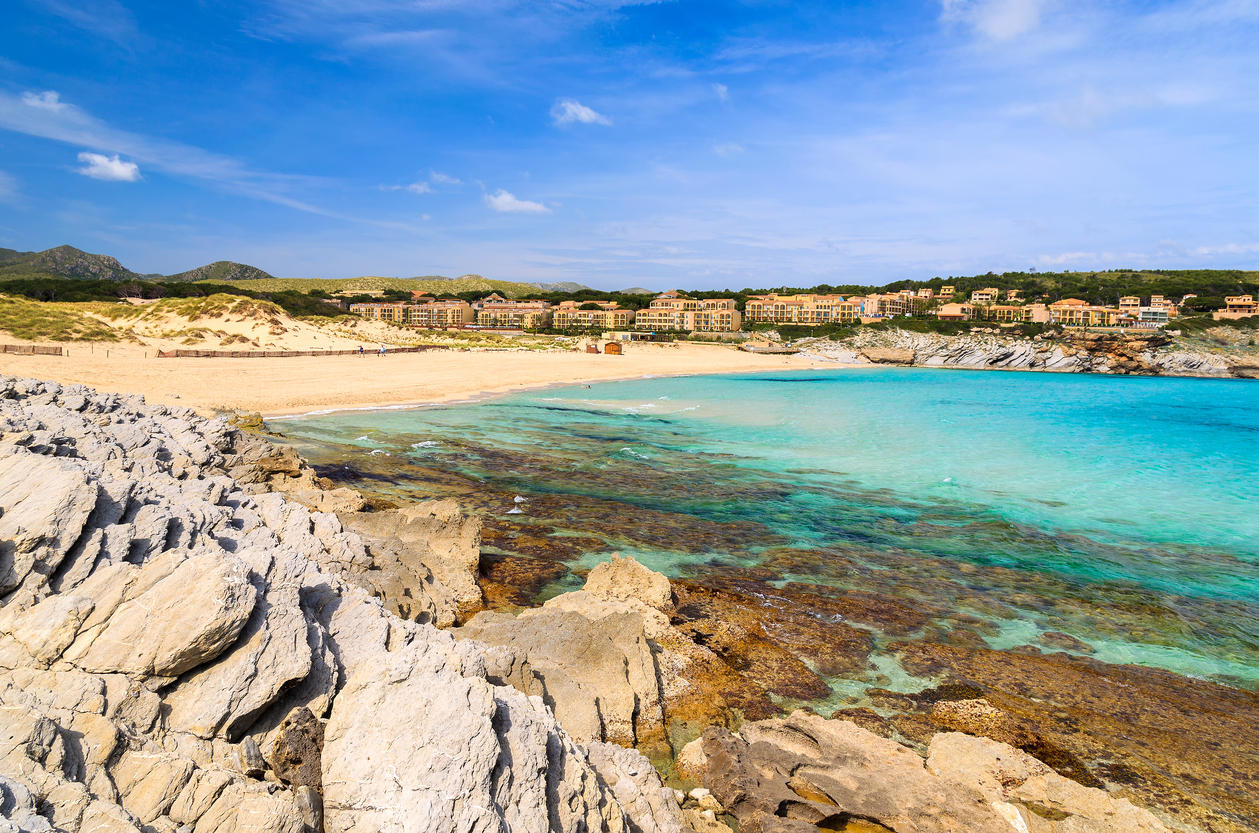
{"x": 567, "y": 111}
{"x": 47, "y": 100}
{"x": 1228, "y": 249}
{"x": 722, "y": 91}
{"x": 503, "y": 201}
{"x": 999, "y": 20}
{"x": 727, "y": 150}
{"x": 108, "y": 168}
{"x": 419, "y": 188}
{"x": 443, "y": 178}
{"x": 45, "y": 115}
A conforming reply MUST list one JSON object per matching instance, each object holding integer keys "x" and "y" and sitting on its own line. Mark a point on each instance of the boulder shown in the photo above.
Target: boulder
{"x": 184, "y": 619}
{"x": 419, "y": 741}
{"x": 44, "y": 503}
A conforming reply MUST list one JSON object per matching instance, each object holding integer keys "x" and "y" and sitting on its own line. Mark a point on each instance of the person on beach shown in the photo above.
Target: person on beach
{"x": 360, "y": 349}
{"x": 382, "y": 349}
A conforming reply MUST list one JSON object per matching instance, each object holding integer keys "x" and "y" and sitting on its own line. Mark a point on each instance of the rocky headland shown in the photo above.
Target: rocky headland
{"x": 200, "y": 635}
{"x": 1144, "y": 352}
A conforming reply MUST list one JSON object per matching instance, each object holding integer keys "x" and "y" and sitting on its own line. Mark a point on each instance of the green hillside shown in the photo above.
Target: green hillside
{"x": 220, "y": 272}
{"x": 433, "y": 284}
{"x": 62, "y": 262}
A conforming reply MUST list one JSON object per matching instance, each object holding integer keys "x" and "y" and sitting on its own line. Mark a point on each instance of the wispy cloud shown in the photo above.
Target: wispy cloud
{"x": 45, "y": 115}
{"x": 108, "y": 168}
{"x": 722, "y": 91}
{"x": 998, "y": 20}
{"x": 504, "y": 201}
{"x": 8, "y": 187}
{"x": 567, "y": 111}
{"x": 442, "y": 179}
{"x": 106, "y": 18}
{"x": 47, "y": 100}
{"x": 727, "y": 150}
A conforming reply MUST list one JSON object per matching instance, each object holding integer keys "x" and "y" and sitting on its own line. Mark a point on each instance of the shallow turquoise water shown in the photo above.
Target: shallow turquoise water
{"x": 1121, "y": 510}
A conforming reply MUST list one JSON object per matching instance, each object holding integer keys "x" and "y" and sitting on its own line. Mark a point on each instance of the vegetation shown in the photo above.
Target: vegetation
{"x": 296, "y": 304}
{"x": 219, "y": 271}
{"x": 33, "y": 321}
{"x": 440, "y": 287}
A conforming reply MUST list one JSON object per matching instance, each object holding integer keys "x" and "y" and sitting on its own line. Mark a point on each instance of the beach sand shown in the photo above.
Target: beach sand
{"x": 286, "y": 386}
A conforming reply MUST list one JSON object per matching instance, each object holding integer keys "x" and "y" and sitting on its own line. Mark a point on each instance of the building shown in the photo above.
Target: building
{"x": 987, "y": 295}
{"x": 1012, "y": 294}
{"x": 671, "y": 311}
{"x": 1238, "y": 306}
{"x": 440, "y": 314}
{"x": 947, "y": 292}
{"x": 450, "y": 312}
{"x": 496, "y": 311}
{"x": 1152, "y": 315}
{"x": 800, "y": 309}
{"x": 956, "y": 312}
{"x": 382, "y": 311}
{"x": 1130, "y": 304}
{"x": 1005, "y": 313}
{"x": 569, "y": 315}
{"x": 926, "y": 293}
{"x": 1072, "y": 312}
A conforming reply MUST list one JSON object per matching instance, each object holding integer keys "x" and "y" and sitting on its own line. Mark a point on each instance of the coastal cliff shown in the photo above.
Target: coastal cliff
{"x": 198, "y": 634}
{"x": 1147, "y": 352}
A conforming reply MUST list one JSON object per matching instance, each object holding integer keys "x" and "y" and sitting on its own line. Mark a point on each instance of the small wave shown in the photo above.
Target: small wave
{"x": 378, "y": 451}
{"x": 425, "y": 444}
{"x": 692, "y": 408}
{"x": 663, "y": 397}
{"x": 631, "y": 452}
{"x": 515, "y": 511}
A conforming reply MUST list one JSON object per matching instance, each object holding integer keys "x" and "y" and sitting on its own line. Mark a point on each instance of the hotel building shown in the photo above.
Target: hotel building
{"x": 568, "y": 315}
{"x": 671, "y": 311}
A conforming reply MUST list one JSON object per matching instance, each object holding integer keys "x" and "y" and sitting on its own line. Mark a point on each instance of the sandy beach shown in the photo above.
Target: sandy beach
{"x": 280, "y": 387}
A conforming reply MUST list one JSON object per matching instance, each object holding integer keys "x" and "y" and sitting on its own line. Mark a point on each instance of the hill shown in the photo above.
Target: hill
{"x": 63, "y": 262}
{"x": 370, "y": 284}
{"x": 220, "y": 271}
{"x": 560, "y": 286}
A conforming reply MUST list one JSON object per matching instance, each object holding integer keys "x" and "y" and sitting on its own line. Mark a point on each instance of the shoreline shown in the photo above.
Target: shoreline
{"x": 300, "y": 386}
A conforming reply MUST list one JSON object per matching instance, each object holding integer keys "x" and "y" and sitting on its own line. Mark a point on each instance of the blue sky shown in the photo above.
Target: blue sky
{"x": 693, "y": 144}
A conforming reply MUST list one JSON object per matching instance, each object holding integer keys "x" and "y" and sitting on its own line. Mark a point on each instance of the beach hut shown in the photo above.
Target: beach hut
{"x": 612, "y": 348}
{"x": 592, "y": 348}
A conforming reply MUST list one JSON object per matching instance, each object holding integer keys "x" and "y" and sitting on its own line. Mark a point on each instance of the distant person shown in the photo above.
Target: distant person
{"x": 382, "y": 349}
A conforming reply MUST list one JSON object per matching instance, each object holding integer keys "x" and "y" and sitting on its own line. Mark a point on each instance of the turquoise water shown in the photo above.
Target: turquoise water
{"x": 1119, "y": 510}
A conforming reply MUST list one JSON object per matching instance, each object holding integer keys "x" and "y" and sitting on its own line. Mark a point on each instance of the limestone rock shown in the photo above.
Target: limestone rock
{"x": 598, "y": 676}
{"x": 183, "y": 620}
{"x": 1028, "y": 793}
{"x": 418, "y": 742}
{"x": 424, "y": 558}
{"x": 649, "y": 806}
{"x": 819, "y": 773}
{"x": 889, "y": 355}
{"x": 44, "y": 503}
{"x": 624, "y": 578}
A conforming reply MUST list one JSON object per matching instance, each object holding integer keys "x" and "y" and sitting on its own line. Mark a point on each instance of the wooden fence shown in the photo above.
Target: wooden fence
{"x": 283, "y": 354}
{"x": 30, "y": 350}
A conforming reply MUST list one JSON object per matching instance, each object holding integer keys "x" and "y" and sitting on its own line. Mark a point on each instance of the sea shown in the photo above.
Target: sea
{"x": 1122, "y": 512}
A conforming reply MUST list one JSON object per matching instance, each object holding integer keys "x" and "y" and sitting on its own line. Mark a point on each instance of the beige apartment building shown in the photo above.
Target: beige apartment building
{"x": 1072, "y": 312}
{"x": 568, "y": 315}
{"x": 947, "y": 291}
{"x": 671, "y": 311}
{"x": 988, "y": 295}
{"x": 443, "y": 313}
{"x": 800, "y": 309}
{"x": 524, "y": 314}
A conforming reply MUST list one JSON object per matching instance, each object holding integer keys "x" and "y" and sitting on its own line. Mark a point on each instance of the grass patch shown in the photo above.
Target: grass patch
{"x": 35, "y": 321}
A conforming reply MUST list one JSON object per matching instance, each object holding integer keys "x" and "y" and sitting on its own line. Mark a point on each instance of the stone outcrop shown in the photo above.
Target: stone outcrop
{"x": 428, "y": 551}
{"x": 1145, "y": 352}
{"x": 807, "y": 773}
{"x": 182, "y": 648}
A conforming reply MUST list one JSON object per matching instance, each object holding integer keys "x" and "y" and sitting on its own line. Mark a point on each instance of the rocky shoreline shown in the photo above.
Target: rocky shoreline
{"x": 200, "y": 635}
{"x": 1148, "y": 352}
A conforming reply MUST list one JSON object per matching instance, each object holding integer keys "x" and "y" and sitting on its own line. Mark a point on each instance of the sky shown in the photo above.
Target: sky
{"x": 699, "y": 145}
